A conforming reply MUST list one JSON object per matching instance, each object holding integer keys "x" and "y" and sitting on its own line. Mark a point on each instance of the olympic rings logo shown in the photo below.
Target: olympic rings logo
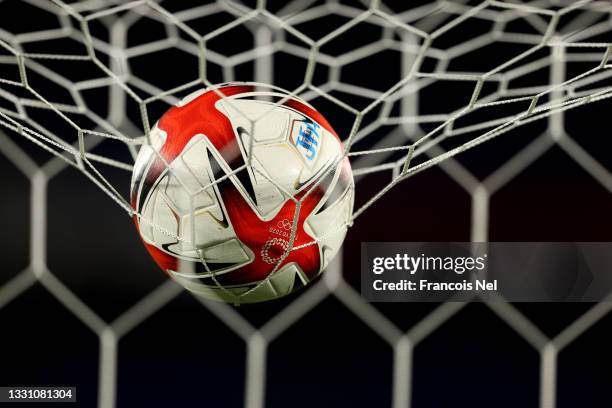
{"x": 284, "y": 224}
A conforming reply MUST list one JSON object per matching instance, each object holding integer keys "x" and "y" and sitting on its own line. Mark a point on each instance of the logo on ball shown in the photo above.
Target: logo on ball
{"x": 273, "y": 249}
{"x": 284, "y": 224}
{"x": 306, "y": 137}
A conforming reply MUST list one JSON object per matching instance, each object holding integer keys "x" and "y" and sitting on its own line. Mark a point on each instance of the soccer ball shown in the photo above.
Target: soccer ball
{"x": 243, "y": 195}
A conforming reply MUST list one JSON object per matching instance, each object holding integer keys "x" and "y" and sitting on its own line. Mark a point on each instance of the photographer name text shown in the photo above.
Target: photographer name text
{"x": 410, "y": 265}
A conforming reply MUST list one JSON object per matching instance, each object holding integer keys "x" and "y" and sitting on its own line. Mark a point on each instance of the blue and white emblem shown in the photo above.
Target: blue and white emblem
{"x": 306, "y": 136}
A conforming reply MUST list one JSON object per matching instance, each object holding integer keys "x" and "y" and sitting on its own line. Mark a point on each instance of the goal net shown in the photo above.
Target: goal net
{"x": 407, "y": 86}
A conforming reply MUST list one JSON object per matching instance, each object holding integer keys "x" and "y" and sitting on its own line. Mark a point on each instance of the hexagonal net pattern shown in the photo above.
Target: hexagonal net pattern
{"x": 408, "y": 88}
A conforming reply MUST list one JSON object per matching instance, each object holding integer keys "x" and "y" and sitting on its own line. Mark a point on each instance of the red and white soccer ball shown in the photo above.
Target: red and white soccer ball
{"x": 232, "y": 176}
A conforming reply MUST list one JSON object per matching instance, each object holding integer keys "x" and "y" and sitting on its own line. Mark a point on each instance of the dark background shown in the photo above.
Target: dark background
{"x": 184, "y": 356}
